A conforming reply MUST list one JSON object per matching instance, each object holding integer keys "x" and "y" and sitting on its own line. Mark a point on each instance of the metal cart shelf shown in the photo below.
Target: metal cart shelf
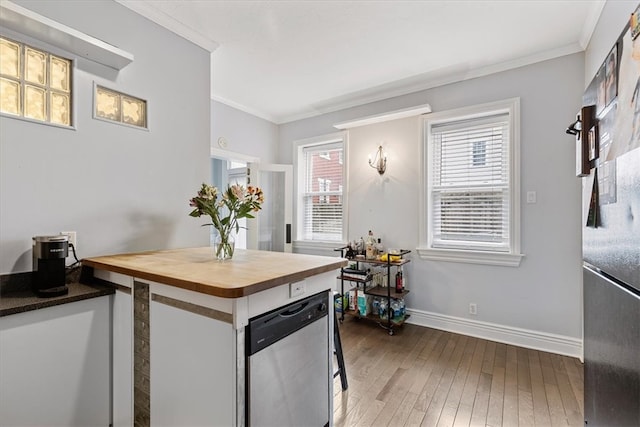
{"x": 388, "y": 292}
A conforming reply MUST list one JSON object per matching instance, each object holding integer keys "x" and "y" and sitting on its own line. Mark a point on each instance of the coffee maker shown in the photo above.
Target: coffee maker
{"x": 49, "y": 259}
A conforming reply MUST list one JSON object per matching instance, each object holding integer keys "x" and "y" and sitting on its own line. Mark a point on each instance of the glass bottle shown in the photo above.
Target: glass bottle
{"x": 399, "y": 281}
{"x": 371, "y": 246}
{"x": 379, "y": 247}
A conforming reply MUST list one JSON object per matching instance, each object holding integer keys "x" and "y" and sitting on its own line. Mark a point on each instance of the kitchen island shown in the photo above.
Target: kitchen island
{"x": 178, "y": 323}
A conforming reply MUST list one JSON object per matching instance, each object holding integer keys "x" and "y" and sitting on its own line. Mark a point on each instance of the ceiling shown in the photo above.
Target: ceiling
{"x": 286, "y": 60}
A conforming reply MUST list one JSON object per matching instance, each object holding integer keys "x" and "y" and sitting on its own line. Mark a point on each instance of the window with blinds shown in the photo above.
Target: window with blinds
{"x": 321, "y": 192}
{"x": 469, "y": 183}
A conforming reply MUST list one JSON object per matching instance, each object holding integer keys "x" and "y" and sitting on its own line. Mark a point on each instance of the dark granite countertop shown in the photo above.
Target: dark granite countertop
{"x": 22, "y": 301}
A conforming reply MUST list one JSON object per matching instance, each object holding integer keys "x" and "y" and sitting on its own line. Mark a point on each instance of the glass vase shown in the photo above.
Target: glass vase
{"x": 224, "y": 247}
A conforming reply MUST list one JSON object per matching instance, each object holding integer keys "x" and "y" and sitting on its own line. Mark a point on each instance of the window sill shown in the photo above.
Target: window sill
{"x": 306, "y": 245}
{"x": 471, "y": 257}
{"x": 38, "y": 122}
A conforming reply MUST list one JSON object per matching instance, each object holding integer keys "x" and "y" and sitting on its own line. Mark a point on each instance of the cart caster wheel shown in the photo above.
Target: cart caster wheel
{"x": 391, "y": 332}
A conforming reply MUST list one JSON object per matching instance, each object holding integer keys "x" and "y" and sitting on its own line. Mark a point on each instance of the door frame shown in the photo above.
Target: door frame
{"x": 254, "y": 170}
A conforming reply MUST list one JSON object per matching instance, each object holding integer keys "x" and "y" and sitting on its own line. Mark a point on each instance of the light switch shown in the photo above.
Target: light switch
{"x": 531, "y": 196}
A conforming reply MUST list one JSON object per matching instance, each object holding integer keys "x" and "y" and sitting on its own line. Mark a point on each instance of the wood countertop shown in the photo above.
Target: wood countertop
{"x": 197, "y": 269}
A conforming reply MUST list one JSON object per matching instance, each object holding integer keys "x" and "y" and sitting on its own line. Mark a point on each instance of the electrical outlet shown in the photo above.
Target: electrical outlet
{"x": 473, "y": 308}
{"x": 297, "y": 288}
{"x": 72, "y": 238}
{"x": 531, "y": 196}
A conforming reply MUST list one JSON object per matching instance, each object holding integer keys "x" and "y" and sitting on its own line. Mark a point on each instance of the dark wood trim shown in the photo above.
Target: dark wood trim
{"x": 194, "y": 308}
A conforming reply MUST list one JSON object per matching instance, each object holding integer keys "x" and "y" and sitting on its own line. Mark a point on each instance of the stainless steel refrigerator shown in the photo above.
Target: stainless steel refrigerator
{"x": 611, "y": 236}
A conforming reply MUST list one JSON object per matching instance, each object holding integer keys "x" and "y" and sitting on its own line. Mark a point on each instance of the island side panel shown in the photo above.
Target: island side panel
{"x": 122, "y": 357}
{"x": 121, "y": 347}
{"x": 192, "y": 359}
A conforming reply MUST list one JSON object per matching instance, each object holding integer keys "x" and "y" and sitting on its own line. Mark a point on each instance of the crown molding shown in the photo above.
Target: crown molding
{"x": 424, "y": 81}
{"x": 144, "y": 9}
{"x": 406, "y": 86}
{"x": 379, "y": 93}
{"x": 590, "y": 22}
{"x": 249, "y": 110}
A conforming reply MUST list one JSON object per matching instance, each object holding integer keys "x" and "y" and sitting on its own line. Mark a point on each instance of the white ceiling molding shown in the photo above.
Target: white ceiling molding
{"x": 245, "y": 109}
{"x": 405, "y": 86}
{"x": 24, "y": 21}
{"x": 385, "y": 117}
{"x": 591, "y": 22}
{"x": 262, "y": 61}
{"x": 170, "y": 23}
{"x": 423, "y": 82}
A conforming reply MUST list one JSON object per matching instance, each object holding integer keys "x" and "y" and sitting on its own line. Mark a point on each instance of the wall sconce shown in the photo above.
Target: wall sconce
{"x": 379, "y": 162}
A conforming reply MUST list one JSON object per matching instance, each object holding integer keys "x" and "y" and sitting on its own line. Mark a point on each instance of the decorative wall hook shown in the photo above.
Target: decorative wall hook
{"x": 575, "y": 127}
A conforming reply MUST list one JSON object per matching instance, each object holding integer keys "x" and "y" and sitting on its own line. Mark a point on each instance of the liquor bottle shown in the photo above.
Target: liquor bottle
{"x": 379, "y": 247}
{"x": 370, "y": 246}
{"x": 399, "y": 281}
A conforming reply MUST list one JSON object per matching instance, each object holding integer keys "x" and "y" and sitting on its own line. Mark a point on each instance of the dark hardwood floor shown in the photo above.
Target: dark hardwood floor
{"x": 428, "y": 377}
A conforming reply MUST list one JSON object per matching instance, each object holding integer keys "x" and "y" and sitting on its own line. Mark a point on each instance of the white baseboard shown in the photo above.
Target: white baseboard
{"x": 536, "y": 340}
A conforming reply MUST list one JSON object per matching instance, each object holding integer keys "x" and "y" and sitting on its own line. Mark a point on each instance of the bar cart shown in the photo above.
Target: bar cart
{"x": 367, "y": 286}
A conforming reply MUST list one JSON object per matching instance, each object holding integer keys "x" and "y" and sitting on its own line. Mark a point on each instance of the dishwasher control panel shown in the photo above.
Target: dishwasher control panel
{"x": 271, "y": 327}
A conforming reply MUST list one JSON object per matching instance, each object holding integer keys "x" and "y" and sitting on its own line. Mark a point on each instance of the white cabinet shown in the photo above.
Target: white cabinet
{"x": 192, "y": 356}
{"x": 54, "y": 365}
{"x": 172, "y": 360}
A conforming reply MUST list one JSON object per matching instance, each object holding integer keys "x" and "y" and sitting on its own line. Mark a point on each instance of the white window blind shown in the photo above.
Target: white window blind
{"x": 469, "y": 184}
{"x": 322, "y": 192}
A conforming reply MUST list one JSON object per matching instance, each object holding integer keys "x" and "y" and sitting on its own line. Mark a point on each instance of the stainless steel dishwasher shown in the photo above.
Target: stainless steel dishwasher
{"x": 288, "y": 358}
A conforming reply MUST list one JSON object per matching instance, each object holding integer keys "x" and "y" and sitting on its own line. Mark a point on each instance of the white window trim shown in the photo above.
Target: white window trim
{"x": 424, "y": 249}
{"x": 114, "y": 122}
{"x": 298, "y": 178}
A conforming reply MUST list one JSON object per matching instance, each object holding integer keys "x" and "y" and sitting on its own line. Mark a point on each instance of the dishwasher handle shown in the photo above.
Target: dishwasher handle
{"x": 294, "y": 311}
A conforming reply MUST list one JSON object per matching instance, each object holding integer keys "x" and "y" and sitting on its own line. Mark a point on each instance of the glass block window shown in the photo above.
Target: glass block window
{"x": 118, "y": 107}
{"x": 34, "y": 84}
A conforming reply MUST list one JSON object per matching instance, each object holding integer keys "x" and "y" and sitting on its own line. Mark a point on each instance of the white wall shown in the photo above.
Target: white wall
{"x": 245, "y": 134}
{"x": 543, "y": 296}
{"x": 121, "y": 189}
{"x": 615, "y": 15}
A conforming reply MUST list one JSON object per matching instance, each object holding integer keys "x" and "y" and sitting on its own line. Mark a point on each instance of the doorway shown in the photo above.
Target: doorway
{"x": 271, "y": 229}
{"x": 225, "y": 172}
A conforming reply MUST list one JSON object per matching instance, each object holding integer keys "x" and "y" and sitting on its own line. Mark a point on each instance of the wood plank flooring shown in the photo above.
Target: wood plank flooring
{"x": 427, "y": 377}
